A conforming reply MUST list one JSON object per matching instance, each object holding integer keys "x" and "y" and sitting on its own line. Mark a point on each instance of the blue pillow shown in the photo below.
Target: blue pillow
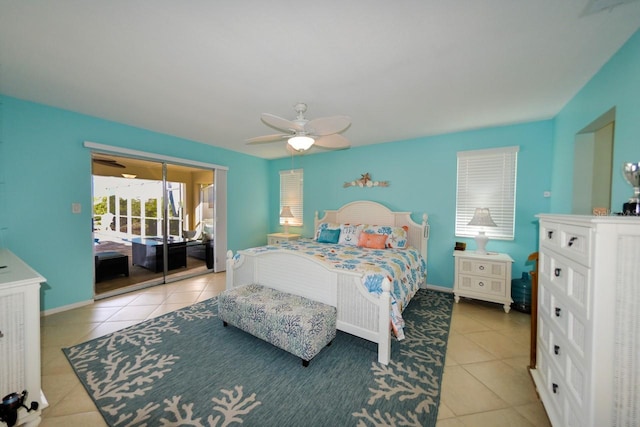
{"x": 329, "y": 236}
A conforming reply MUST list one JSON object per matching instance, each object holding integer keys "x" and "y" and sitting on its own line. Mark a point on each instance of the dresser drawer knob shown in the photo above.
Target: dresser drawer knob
{"x": 556, "y": 349}
{"x": 554, "y": 386}
{"x": 1, "y": 334}
{"x": 480, "y": 283}
{"x": 481, "y": 268}
{"x": 557, "y": 271}
{"x": 550, "y": 234}
{"x": 558, "y": 310}
{"x": 572, "y": 241}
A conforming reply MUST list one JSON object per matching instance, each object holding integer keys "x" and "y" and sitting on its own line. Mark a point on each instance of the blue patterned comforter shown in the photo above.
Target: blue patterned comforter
{"x": 405, "y": 269}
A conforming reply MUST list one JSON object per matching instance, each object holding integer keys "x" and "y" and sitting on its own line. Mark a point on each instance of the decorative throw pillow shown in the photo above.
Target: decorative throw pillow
{"x": 397, "y": 235}
{"x": 326, "y": 226}
{"x": 329, "y": 236}
{"x": 372, "y": 240}
{"x": 349, "y": 234}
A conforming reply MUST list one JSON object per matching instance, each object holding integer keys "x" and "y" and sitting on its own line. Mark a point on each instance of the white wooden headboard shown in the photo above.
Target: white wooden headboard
{"x": 367, "y": 212}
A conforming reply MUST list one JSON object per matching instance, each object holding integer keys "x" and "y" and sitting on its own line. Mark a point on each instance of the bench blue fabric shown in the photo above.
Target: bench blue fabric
{"x": 298, "y": 325}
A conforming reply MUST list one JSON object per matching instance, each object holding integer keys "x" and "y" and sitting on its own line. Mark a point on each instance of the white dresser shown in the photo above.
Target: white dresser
{"x": 588, "y": 343}
{"x": 485, "y": 277}
{"x": 20, "y": 334}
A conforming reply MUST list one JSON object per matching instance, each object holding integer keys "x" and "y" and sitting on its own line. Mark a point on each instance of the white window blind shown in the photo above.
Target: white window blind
{"x": 291, "y": 183}
{"x": 487, "y": 179}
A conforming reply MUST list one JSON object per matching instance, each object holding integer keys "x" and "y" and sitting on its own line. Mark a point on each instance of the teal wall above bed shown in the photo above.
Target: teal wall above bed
{"x": 422, "y": 177}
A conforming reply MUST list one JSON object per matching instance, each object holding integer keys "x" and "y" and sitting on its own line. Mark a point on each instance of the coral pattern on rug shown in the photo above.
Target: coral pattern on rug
{"x": 184, "y": 368}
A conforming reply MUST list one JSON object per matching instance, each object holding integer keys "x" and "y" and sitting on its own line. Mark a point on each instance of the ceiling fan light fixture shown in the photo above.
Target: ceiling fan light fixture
{"x": 301, "y": 142}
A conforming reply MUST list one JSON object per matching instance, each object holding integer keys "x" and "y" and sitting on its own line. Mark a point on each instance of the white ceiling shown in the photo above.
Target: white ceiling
{"x": 205, "y": 70}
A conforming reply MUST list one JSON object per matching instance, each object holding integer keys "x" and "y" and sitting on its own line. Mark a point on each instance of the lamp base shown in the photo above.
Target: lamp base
{"x": 481, "y": 243}
{"x": 286, "y": 227}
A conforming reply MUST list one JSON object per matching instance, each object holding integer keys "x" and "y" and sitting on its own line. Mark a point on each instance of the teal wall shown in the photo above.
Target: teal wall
{"x": 44, "y": 168}
{"x": 617, "y": 84}
{"x": 422, "y": 176}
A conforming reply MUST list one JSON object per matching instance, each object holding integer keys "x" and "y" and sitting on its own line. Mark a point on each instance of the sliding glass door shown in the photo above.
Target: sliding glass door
{"x": 154, "y": 222}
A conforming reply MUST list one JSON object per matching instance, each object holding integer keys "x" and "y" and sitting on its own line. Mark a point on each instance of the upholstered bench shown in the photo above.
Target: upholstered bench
{"x": 298, "y": 325}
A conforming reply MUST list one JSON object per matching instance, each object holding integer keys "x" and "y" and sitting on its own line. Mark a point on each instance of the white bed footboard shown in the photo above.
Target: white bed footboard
{"x": 359, "y": 312}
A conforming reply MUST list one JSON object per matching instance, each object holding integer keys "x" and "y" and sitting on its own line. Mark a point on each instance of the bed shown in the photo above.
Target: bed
{"x": 302, "y": 272}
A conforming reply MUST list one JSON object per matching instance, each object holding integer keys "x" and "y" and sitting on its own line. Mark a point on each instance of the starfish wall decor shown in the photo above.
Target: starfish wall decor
{"x": 365, "y": 181}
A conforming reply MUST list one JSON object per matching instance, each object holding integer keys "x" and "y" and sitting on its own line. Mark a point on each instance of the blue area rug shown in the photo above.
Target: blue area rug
{"x": 185, "y": 368}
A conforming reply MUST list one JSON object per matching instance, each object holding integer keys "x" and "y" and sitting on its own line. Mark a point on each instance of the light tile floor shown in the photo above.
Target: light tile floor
{"x": 486, "y": 380}
{"x": 485, "y": 383}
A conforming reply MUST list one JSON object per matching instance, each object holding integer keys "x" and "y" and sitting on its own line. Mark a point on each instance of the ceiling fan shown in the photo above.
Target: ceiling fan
{"x": 301, "y": 133}
{"x": 108, "y": 162}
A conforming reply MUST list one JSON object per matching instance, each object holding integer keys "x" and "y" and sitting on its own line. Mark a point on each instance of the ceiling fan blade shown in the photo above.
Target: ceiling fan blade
{"x": 280, "y": 123}
{"x": 108, "y": 162}
{"x": 266, "y": 138}
{"x": 328, "y": 125}
{"x": 333, "y": 142}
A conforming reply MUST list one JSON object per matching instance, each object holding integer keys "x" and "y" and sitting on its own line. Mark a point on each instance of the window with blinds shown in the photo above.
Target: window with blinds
{"x": 291, "y": 183}
{"x": 487, "y": 179}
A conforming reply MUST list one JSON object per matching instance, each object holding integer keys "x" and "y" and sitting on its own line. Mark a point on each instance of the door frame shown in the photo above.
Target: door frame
{"x": 220, "y": 198}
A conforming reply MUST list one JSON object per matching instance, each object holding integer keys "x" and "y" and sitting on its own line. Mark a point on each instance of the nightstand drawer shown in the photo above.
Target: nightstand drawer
{"x": 277, "y": 238}
{"x": 482, "y": 285}
{"x": 482, "y": 268}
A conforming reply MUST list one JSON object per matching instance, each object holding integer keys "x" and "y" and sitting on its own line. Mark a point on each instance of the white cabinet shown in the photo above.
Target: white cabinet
{"x": 275, "y": 238}
{"x": 20, "y": 334}
{"x": 588, "y": 345}
{"x": 485, "y": 277}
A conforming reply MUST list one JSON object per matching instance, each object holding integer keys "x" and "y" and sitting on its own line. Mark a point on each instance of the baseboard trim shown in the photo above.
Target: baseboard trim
{"x": 440, "y": 288}
{"x": 65, "y": 308}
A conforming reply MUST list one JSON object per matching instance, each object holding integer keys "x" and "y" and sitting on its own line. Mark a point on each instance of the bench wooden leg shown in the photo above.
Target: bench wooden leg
{"x": 305, "y": 363}
{"x": 225, "y": 324}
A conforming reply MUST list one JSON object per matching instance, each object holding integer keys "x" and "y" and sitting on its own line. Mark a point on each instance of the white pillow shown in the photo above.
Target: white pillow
{"x": 349, "y": 234}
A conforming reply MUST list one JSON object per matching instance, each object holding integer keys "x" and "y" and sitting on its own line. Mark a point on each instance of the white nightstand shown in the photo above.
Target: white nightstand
{"x": 485, "y": 277}
{"x": 275, "y": 238}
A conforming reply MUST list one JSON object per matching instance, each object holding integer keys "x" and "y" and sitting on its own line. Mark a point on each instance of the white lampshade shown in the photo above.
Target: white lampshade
{"x": 301, "y": 143}
{"x": 286, "y": 214}
{"x": 482, "y": 218}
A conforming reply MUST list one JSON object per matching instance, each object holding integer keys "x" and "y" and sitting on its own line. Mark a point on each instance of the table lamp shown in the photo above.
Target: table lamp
{"x": 286, "y": 214}
{"x": 482, "y": 218}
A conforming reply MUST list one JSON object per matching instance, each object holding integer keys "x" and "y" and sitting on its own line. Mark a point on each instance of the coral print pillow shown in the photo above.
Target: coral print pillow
{"x": 397, "y": 236}
{"x": 349, "y": 234}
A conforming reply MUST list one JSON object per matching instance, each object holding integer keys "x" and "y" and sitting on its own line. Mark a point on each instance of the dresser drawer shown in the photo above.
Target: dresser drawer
{"x": 482, "y": 285}
{"x": 556, "y": 314}
{"x": 567, "y": 277}
{"x": 565, "y": 360}
{"x": 559, "y": 313}
{"x": 571, "y": 241}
